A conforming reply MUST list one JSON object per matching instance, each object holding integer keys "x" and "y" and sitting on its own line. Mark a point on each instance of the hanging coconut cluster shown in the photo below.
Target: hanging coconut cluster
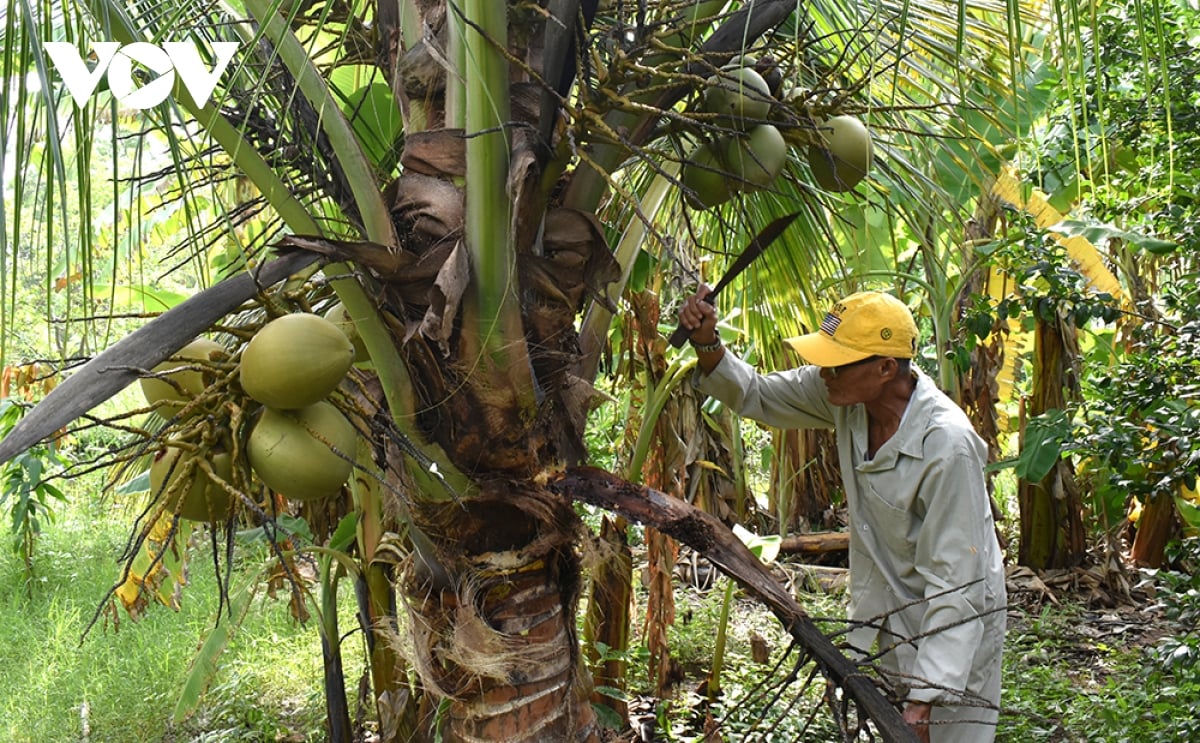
{"x": 748, "y": 159}
{"x": 750, "y": 152}
{"x": 301, "y": 446}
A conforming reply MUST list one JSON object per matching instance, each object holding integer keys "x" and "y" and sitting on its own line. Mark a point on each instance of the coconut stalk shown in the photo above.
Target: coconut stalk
{"x": 497, "y": 310}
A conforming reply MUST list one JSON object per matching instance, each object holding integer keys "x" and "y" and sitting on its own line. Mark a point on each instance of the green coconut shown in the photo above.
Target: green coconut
{"x": 706, "y": 178}
{"x": 340, "y": 316}
{"x": 757, "y": 159}
{"x": 295, "y": 361}
{"x": 188, "y": 490}
{"x": 843, "y": 156}
{"x": 164, "y": 397}
{"x": 290, "y": 450}
{"x": 739, "y": 93}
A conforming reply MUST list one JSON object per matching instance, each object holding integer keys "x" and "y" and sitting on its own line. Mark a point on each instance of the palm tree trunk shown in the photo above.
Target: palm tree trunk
{"x": 497, "y": 642}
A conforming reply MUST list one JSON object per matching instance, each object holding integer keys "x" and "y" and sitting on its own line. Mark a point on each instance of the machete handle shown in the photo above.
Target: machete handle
{"x": 681, "y": 333}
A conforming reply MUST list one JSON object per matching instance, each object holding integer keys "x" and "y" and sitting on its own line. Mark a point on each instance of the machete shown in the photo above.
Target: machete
{"x": 752, "y": 251}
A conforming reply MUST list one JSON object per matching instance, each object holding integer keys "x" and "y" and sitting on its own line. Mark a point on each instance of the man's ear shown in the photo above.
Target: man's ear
{"x": 889, "y": 368}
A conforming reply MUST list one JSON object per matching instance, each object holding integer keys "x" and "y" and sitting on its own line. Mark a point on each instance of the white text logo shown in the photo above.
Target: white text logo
{"x": 173, "y": 57}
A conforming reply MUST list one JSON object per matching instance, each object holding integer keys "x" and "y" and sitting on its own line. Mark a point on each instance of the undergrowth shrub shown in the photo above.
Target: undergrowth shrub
{"x": 1178, "y": 596}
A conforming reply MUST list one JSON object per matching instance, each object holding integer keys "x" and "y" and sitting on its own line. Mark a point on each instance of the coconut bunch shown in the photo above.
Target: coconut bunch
{"x": 299, "y": 444}
{"x": 750, "y": 152}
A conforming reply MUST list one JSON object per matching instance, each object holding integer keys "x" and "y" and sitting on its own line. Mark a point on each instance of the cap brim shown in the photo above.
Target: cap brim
{"x": 819, "y": 349}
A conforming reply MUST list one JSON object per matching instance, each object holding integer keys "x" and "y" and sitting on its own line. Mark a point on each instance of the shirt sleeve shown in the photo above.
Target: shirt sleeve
{"x": 795, "y": 398}
{"x": 952, "y": 554}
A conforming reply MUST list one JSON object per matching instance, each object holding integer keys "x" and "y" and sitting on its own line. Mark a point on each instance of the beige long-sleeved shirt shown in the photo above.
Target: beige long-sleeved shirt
{"x": 922, "y": 543}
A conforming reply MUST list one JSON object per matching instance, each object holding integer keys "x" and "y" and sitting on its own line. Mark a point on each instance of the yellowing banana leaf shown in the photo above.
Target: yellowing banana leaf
{"x": 1016, "y": 343}
{"x": 1087, "y": 258}
{"x": 1074, "y": 238}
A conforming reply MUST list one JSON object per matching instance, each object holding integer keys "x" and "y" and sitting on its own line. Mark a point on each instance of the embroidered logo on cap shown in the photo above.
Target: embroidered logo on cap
{"x": 830, "y": 324}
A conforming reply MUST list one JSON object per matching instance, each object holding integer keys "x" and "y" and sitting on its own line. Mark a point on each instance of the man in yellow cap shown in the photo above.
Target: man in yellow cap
{"x": 926, "y": 573}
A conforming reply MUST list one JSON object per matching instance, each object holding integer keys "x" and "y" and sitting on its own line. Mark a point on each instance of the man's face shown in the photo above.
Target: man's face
{"x": 860, "y": 381}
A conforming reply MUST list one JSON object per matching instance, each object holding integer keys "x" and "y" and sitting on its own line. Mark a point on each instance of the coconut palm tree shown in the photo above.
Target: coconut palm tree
{"x": 475, "y": 177}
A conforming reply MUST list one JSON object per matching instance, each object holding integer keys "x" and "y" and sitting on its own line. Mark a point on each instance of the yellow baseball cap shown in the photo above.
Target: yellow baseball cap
{"x": 857, "y": 327}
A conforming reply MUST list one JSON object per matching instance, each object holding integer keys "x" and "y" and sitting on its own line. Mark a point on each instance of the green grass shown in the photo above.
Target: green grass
{"x": 130, "y": 678}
